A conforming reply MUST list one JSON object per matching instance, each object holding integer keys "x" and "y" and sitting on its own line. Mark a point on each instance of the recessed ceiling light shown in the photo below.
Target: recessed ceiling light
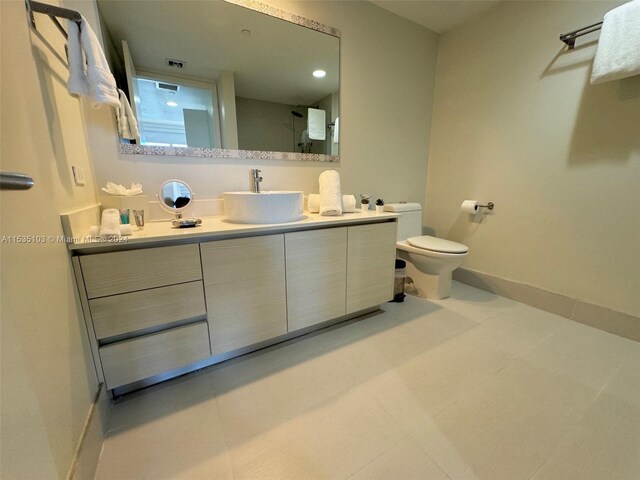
{"x": 319, "y": 73}
{"x": 172, "y": 104}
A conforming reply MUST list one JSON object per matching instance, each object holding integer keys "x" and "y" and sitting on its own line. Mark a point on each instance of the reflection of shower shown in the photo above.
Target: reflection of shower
{"x": 293, "y": 130}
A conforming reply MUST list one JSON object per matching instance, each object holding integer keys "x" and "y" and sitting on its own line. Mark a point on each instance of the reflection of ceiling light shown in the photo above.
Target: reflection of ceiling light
{"x": 319, "y": 73}
{"x": 172, "y": 104}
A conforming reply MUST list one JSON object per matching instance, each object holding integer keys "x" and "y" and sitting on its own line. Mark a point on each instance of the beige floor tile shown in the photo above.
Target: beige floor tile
{"x": 330, "y": 441}
{"x": 516, "y": 331}
{"x": 422, "y": 387}
{"x": 505, "y": 429}
{"x": 159, "y": 400}
{"x": 370, "y": 347}
{"x": 250, "y": 406}
{"x": 186, "y": 443}
{"x": 583, "y": 354}
{"x": 472, "y": 387}
{"x": 405, "y": 461}
{"x": 606, "y": 442}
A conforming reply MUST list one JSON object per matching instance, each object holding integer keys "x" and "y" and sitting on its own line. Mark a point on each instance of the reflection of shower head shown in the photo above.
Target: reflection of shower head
{"x": 296, "y": 114}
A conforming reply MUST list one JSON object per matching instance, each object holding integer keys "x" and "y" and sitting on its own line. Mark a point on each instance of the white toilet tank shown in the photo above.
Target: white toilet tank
{"x": 410, "y": 221}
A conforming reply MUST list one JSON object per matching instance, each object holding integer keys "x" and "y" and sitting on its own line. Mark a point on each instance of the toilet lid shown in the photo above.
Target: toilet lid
{"x": 434, "y": 244}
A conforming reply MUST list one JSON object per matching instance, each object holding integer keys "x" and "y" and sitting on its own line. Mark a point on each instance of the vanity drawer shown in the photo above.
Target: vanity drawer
{"x": 131, "y": 312}
{"x": 132, "y": 270}
{"x": 139, "y": 358}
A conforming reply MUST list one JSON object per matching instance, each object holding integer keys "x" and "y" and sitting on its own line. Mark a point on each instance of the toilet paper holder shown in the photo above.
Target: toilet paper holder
{"x": 488, "y": 205}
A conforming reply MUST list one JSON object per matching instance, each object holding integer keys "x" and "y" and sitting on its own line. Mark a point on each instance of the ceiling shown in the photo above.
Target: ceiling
{"x": 440, "y": 15}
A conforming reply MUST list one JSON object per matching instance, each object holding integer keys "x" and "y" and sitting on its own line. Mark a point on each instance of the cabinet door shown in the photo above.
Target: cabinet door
{"x": 316, "y": 276}
{"x": 371, "y": 252}
{"x": 244, "y": 284}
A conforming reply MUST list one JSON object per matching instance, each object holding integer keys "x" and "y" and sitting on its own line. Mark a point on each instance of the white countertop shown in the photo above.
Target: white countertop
{"x": 218, "y": 227}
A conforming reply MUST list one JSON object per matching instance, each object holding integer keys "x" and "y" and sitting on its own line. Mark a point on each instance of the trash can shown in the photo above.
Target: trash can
{"x": 398, "y": 282}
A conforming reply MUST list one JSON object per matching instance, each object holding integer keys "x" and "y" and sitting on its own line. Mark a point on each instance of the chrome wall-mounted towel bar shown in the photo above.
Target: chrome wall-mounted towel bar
{"x": 54, "y": 12}
{"x": 570, "y": 38}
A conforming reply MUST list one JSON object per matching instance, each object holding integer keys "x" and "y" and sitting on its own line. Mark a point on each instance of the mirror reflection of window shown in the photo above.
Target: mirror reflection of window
{"x": 177, "y": 115}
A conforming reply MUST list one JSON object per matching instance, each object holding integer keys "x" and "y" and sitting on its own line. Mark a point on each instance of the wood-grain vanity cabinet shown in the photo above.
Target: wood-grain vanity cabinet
{"x": 147, "y": 310}
{"x": 150, "y": 311}
{"x": 371, "y": 251}
{"x": 244, "y": 282}
{"x": 316, "y": 263}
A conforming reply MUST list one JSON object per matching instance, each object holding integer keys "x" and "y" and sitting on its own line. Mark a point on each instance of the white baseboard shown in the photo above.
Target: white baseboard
{"x": 89, "y": 448}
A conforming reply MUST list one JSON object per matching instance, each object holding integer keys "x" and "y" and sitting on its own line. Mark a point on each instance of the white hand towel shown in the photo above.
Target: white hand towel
{"x": 313, "y": 203}
{"x": 316, "y": 124}
{"x": 336, "y": 130}
{"x": 126, "y": 230}
{"x": 348, "y": 203}
{"x": 127, "y": 123}
{"x": 330, "y": 196}
{"x": 618, "y": 54}
{"x": 99, "y": 84}
{"x": 110, "y": 224}
{"x": 77, "y": 83}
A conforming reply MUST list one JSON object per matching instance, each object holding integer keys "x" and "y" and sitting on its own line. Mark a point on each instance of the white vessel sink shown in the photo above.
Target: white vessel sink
{"x": 264, "y": 207}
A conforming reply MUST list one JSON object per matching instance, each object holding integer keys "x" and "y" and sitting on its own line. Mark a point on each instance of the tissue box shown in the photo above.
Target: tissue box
{"x": 133, "y": 202}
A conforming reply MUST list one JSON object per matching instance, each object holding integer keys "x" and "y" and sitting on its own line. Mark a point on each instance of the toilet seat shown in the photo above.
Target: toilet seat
{"x": 434, "y": 244}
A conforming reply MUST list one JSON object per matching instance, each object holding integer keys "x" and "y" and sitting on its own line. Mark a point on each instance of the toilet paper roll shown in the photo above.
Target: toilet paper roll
{"x": 469, "y": 206}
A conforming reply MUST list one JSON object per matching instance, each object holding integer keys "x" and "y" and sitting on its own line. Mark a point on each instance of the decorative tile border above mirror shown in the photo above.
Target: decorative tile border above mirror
{"x": 226, "y": 153}
{"x": 284, "y": 15}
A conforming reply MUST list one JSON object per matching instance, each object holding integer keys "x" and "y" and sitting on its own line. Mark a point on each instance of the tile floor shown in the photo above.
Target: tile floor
{"x": 473, "y": 387}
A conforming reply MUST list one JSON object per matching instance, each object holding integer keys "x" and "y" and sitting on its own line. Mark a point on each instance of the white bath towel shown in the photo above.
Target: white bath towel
{"x": 618, "y": 54}
{"x": 348, "y": 203}
{"x": 313, "y": 203}
{"x": 89, "y": 74}
{"x": 330, "y": 196}
{"x": 127, "y": 123}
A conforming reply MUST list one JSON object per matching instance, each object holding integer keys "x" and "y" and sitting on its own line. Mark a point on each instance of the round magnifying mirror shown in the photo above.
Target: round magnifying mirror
{"x": 175, "y": 196}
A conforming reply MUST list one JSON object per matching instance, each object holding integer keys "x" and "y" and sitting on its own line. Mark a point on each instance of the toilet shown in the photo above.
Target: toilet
{"x": 430, "y": 260}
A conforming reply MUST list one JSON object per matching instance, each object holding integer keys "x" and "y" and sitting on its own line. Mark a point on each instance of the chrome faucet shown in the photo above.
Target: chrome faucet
{"x": 255, "y": 173}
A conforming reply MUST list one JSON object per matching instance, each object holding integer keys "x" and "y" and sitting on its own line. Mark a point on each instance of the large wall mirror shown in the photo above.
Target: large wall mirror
{"x": 227, "y": 78}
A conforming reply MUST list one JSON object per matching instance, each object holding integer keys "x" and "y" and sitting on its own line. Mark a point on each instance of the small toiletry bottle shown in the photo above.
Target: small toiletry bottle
{"x": 124, "y": 216}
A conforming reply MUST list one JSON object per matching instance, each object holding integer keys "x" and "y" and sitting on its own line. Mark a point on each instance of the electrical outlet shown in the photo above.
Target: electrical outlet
{"x": 78, "y": 176}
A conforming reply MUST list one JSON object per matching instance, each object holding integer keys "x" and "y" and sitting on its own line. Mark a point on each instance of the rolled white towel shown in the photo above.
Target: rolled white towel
{"x": 330, "y": 196}
{"x": 348, "y": 203}
{"x": 126, "y": 230}
{"x": 313, "y": 203}
{"x": 110, "y": 224}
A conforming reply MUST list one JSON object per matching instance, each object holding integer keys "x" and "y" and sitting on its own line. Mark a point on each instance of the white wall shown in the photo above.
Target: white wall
{"x": 48, "y": 380}
{"x": 387, "y": 75}
{"x": 515, "y": 121}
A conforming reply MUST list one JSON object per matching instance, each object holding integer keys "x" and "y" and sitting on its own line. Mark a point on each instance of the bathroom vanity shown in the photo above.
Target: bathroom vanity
{"x": 168, "y": 301}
